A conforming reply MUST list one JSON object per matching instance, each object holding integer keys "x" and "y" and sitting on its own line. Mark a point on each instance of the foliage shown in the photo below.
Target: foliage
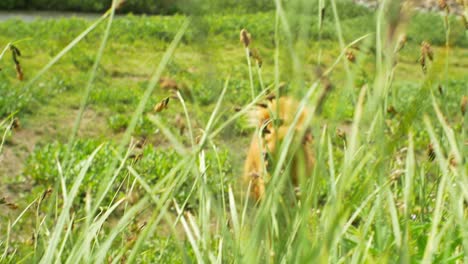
{"x": 8, "y": 102}
{"x": 152, "y": 164}
{"x": 389, "y": 180}
{"x": 165, "y": 7}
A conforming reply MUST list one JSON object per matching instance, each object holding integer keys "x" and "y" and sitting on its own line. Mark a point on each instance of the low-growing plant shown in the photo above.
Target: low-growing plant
{"x": 152, "y": 163}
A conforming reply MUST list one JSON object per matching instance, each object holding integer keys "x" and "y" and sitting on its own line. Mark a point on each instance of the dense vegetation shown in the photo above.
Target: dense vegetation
{"x": 163, "y": 7}
{"x": 90, "y": 172}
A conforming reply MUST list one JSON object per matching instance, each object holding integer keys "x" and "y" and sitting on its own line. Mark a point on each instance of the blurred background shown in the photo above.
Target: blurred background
{"x": 160, "y": 7}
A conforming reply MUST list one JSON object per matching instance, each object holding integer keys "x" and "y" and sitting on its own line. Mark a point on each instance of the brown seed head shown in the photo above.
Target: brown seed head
{"x": 262, "y": 105}
{"x": 430, "y": 152}
{"x": 452, "y": 161}
{"x": 442, "y": 4}
{"x": 426, "y": 50}
{"x": 245, "y": 37}
{"x": 141, "y": 142}
{"x": 19, "y": 72}
{"x": 12, "y": 206}
{"x": 422, "y": 61}
{"x": 16, "y": 124}
{"x": 162, "y": 105}
{"x": 256, "y": 55}
{"x": 46, "y": 193}
{"x": 308, "y": 137}
{"x": 440, "y": 89}
{"x": 15, "y": 53}
{"x": 464, "y": 104}
{"x": 350, "y": 56}
{"x": 340, "y": 133}
{"x": 143, "y": 225}
{"x": 270, "y": 96}
{"x": 391, "y": 110}
{"x": 168, "y": 83}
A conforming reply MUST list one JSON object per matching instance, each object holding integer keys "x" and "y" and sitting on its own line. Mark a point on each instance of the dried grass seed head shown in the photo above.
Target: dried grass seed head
{"x": 162, "y": 105}
{"x": 464, "y": 104}
{"x": 168, "y": 83}
{"x": 350, "y": 56}
{"x": 442, "y": 4}
{"x": 19, "y": 72}
{"x": 422, "y": 61}
{"x": 256, "y": 55}
{"x": 15, "y": 53}
{"x": 430, "y": 152}
{"x": 426, "y": 50}
{"x": 245, "y": 37}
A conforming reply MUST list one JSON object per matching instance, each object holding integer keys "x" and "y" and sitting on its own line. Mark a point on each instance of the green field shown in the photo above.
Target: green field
{"x": 90, "y": 172}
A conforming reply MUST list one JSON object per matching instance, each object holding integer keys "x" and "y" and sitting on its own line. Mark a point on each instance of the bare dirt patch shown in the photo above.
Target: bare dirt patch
{"x": 48, "y": 129}
{"x": 16, "y": 150}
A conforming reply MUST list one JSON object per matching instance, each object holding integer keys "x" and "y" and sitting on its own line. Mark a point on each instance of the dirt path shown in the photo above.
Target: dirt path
{"x": 46, "y": 125}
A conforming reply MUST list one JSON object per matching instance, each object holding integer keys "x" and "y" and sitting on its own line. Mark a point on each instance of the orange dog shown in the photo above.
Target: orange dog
{"x": 274, "y": 120}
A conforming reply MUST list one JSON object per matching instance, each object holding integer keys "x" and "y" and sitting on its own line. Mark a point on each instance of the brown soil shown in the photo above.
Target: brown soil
{"x": 24, "y": 139}
{"x": 16, "y": 150}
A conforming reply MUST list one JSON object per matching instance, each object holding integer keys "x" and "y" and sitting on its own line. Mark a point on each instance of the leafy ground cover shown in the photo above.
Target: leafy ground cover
{"x": 129, "y": 183}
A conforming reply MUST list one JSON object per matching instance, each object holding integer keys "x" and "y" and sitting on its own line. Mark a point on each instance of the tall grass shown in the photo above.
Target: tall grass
{"x": 373, "y": 198}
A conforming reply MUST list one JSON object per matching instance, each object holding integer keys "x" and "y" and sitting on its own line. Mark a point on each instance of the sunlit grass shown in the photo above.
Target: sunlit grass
{"x": 374, "y": 195}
